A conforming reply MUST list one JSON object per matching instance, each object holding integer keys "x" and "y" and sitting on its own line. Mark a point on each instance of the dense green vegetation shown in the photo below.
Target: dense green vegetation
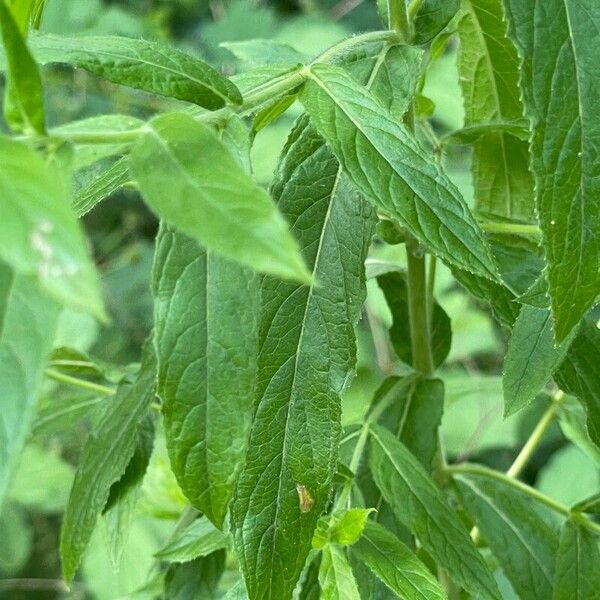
{"x": 298, "y": 299}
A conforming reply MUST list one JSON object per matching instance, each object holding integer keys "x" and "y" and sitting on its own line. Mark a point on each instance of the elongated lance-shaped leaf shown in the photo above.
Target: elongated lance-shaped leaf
{"x": 560, "y": 83}
{"x": 336, "y": 579}
{"x": 206, "y": 343}
{"x": 531, "y": 358}
{"x": 577, "y": 576}
{"x": 386, "y": 163}
{"x": 489, "y": 76}
{"x": 104, "y": 459}
{"x": 396, "y": 565}
{"x": 417, "y": 503}
{"x": 39, "y": 233}
{"x": 522, "y": 540}
{"x": 28, "y": 321}
{"x": 190, "y": 178}
{"x": 138, "y": 64}
{"x": 307, "y": 353}
{"x": 24, "y": 97}
{"x": 292, "y": 454}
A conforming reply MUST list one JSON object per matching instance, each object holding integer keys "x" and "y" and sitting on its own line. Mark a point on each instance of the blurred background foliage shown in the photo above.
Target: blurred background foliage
{"x": 122, "y": 232}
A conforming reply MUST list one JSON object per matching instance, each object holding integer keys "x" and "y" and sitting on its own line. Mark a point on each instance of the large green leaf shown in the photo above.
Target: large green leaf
{"x": 306, "y": 356}
{"x": 104, "y": 459}
{"x": 489, "y": 77}
{"x": 335, "y": 575}
{"x": 39, "y": 234}
{"x": 24, "y": 97}
{"x": 531, "y": 358}
{"x": 519, "y": 536}
{"x": 396, "y": 565}
{"x": 139, "y": 64}
{"x": 577, "y": 575}
{"x": 206, "y": 343}
{"x": 26, "y": 335}
{"x": 418, "y": 504}
{"x": 385, "y": 162}
{"x": 189, "y": 177}
{"x": 560, "y": 82}
{"x": 431, "y": 17}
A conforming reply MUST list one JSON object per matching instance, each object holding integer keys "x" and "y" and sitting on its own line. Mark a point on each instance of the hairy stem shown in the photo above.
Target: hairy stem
{"x": 509, "y": 228}
{"x": 398, "y": 17}
{"x": 536, "y": 437}
{"x": 101, "y": 390}
{"x": 468, "y": 469}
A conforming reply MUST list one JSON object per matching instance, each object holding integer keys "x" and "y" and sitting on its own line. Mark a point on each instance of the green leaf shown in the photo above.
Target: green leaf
{"x": 7, "y": 276}
{"x": 431, "y": 18}
{"x": 258, "y": 52}
{"x": 39, "y": 234}
{"x": 559, "y": 83}
{"x": 531, "y": 357}
{"x": 189, "y": 177}
{"x": 139, "y": 64}
{"x": 590, "y": 505}
{"x": 396, "y": 565}
{"x": 489, "y": 76}
{"x": 389, "y": 167}
{"x": 310, "y": 589}
{"x": 26, "y": 339}
{"x": 104, "y": 459}
{"x": 307, "y": 353}
{"x": 519, "y": 536}
{"x": 206, "y": 342}
{"x": 111, "y": 180}
{"x": 577, "y": 575}
{"x": 24, "y": 97}
{"x": 343, "y": 527}
{"x": 195, "y": 579}
{"x": 199, "y": 539}
{"x": 395, "y": 290}
{"x": 579, "y": 374}
{"x": 418, "y": 504}
{"x": 518, "y": 128}
{"x": 335, "y": 575}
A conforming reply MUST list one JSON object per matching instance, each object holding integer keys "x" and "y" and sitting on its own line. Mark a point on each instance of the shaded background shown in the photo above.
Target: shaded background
{"x": 122, "y": 232}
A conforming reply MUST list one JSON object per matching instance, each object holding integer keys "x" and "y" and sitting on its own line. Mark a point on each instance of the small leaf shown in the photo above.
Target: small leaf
{"x": 418, "y": 504}
{"x": 111, "y": 180}
{"x": 590, "y": 505}
{"x": 432, "y": 17}
{"x": 26, "y": 337}
{"x": 396, "y": 565}
{"x": 39, "y": 234}
{"x": 577, "y": 575}
{"x": 579, "y": 374}
{"x": 189, "y": 177}
{"x": 519, "y": 128}
{"x": 521, "y": 539}
{"x": 24, "y": 98}
{"x": 389, "y": 167}
{"x": 206, "y": 344}
{"x": 489, "y": 76}
{"x": 196, "y": 579}
{"x": 104, "y": 459}
{"x": 531, "y": 357}
{"x": 199, "y": 539}
{"x": 260, "y": 52}
{"x": 139, "y": 64}
{"x": 342, "y": 527}
{"x": 335, "y": 575}
{"x": 559, "y": 80}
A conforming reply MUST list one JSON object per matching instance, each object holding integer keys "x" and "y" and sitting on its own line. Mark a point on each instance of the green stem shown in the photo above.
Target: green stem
{"x": 101, "y": 390}
{"x": 418, "y": 310}
{"x": 466, "y": 469}
{"x": 510, "y": 228}
{"x": 535, "y": 438}
{"x": 398, "y": 16}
